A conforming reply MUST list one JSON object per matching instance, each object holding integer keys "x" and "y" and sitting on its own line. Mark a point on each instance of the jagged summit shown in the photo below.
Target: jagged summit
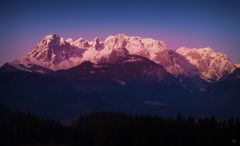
{"x": 212, "y": 65}
{"x": 54, "y": 52}
{"x": 52, "y": 36}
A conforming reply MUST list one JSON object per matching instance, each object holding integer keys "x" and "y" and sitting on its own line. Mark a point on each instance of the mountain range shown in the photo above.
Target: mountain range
{"x": 62, "y": 78}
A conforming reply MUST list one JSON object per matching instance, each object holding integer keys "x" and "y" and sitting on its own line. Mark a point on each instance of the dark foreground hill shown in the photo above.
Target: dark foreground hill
{"x": 117, "y": 129}
{"x": 119, "y": 87}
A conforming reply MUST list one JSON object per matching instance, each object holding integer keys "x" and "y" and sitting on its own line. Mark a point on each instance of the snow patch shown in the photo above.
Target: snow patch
{"x": 212, "y": 65}
{"x": 121, "y": 82}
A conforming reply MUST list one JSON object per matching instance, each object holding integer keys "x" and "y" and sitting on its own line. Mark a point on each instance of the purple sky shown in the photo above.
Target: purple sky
{"x": 194, "y": 23}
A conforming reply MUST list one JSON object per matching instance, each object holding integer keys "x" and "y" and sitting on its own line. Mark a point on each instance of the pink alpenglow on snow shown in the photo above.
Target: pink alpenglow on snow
{"x": 55, "y": 53}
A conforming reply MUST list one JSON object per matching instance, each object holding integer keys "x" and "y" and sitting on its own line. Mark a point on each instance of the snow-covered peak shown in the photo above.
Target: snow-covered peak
{"x": 70, "y": 41}
{"x": 135, "y": 44}
{"x": 121, "y": 43}
{"x": 115, "y": 47}
{"x": 116, "y": 42}
{"x": 81, "y": 43}
{"x": 53, "y": 39}
{"x": 51, "y": 36}
{"x": 212, "y": 65}
{"x": 54, "y": 53}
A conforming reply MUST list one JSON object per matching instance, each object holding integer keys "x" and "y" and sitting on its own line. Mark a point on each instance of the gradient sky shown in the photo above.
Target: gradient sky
{"x": 196, "y": 23}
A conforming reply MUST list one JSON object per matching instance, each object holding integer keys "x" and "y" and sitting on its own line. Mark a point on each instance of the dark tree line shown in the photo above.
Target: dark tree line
{"x": 117, "y": 129}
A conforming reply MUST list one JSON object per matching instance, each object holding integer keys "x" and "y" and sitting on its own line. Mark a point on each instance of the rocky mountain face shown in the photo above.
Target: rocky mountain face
{"x": 124, "y": 74}
{"x": 55, "y": 53}
{"x": 157, "y": 51}
{"x": 211, "y": 65}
